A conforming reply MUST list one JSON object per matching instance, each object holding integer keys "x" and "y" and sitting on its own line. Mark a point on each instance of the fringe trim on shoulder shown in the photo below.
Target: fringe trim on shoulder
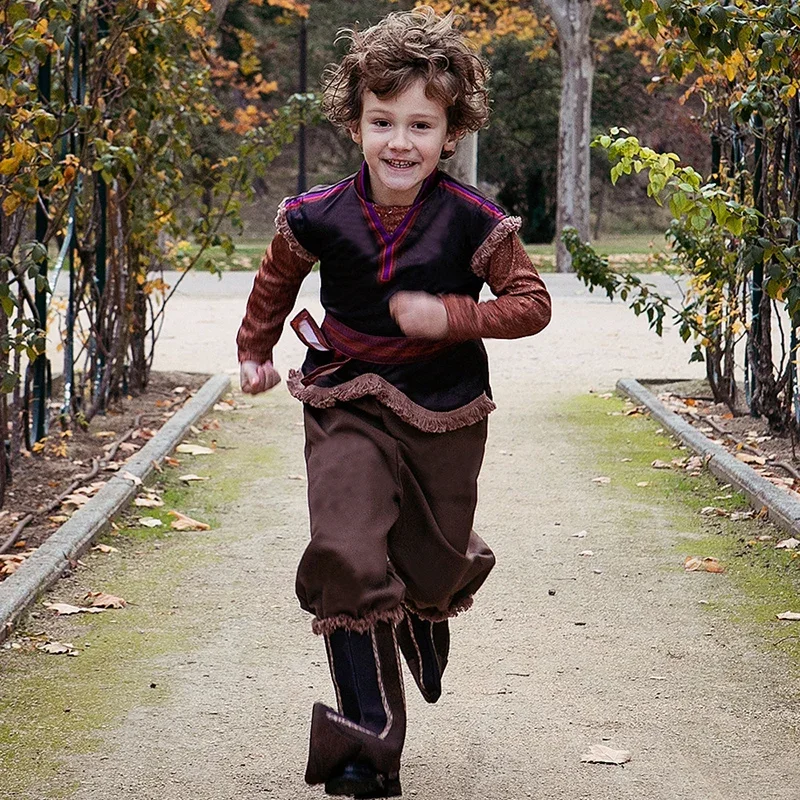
{"x": 434, "y": 615}
{"x": 383, "y": 391}
{"x": 482, "y": 255}
{"x": 328, "y": 625}
{"x": 282, "y": 226}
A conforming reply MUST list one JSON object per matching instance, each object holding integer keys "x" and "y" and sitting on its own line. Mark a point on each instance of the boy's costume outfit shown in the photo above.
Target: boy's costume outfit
{"x": 395, "y": 434}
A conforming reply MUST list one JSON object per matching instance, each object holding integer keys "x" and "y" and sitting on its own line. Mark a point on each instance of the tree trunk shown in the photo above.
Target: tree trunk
{"x": 463, "y": 166}
{"x": 573, "y": 20}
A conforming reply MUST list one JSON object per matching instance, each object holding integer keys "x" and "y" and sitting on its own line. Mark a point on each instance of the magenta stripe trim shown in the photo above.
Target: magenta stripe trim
{"x": 391, "y": 241}
{"x": 312, "y": 197}
{"x": 473, "y": 198}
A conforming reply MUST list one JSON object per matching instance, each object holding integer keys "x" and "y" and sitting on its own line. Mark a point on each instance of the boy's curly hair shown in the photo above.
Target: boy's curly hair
{"x": 404, "y": 47}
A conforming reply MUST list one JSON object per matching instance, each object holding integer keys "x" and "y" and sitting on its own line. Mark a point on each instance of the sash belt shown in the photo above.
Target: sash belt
{"x": 347, "y": 344}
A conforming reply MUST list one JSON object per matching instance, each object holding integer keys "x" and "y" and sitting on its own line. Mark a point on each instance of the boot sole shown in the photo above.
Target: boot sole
{"x": 363, "y": 789}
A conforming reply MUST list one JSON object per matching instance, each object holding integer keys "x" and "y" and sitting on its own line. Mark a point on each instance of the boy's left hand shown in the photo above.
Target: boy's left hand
{"x": 419, "y": 314}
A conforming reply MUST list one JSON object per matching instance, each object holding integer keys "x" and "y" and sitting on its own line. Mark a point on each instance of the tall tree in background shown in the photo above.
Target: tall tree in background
{"x": 573, "y": 19}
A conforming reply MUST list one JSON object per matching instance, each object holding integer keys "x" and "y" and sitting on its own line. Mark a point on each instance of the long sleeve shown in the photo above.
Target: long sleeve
{"x": 522, "y": 307}
{"x": 272, "y": 297}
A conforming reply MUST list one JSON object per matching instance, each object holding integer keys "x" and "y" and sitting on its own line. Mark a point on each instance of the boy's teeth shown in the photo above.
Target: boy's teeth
{"x": 401, "y": 163}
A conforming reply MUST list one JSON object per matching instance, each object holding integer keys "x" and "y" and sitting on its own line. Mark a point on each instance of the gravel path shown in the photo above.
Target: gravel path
{"x": 622, "y": 653}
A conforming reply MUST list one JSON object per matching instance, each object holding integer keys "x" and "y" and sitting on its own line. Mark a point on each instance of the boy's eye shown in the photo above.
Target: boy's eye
{"x": 423, "y": 125}
{"x": 380, "y": 123}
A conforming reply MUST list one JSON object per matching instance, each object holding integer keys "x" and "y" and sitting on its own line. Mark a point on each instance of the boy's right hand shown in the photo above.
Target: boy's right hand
{"x": 256, "y": 378}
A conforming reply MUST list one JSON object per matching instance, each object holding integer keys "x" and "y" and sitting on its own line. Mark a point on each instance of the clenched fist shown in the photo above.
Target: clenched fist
{"x": 419, "y": 314}
{"x": 256, "y": 378}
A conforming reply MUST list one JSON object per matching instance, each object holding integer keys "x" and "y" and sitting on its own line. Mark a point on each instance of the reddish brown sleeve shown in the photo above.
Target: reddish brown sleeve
{"x": 522, "y": 307}
{"x": 272, "y": 297}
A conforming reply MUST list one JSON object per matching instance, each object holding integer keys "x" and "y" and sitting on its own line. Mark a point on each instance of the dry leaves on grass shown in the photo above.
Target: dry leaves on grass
{"x": 789, "y": 615}
{"x": 149, "y": 500}
{"x": 150, "y": 522}
{"x": 191, "y": 477}
{"x": 105, "y": 548}
{"x": 66, "y": 609}
{"x": 699, "y": 564}
{"x": 602, "y": 479}
{"x": 788, "y": 544}
{"x": 58, "y": 649}
{"x": 184, "y": 523}
{"x": 103, "y": 600}
{"x": 194, "y": 450}
{"x": 600, "y": 754}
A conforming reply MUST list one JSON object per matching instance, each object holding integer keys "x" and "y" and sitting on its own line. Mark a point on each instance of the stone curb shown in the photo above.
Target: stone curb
{"x": 38, "y": 572}
{"x": 783, "y": 510}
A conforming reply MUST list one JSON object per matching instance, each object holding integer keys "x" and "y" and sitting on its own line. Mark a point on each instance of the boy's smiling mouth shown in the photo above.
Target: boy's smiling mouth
{"x": 398, "y": 164}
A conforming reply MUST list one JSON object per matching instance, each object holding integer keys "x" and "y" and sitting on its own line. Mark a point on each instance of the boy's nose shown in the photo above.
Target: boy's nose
{"x": 400, "y": 140}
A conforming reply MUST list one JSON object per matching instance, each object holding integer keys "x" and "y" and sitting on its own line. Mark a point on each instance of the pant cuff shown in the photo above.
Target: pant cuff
{"x": 327, "y": 625}
{"x": 437, "y": 615}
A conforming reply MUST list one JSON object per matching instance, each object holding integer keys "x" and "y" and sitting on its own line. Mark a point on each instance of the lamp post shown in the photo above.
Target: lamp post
{"x": 303, "y": 87}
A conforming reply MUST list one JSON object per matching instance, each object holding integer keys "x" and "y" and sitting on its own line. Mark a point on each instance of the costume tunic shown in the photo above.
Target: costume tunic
{"x": 393, "y": 449}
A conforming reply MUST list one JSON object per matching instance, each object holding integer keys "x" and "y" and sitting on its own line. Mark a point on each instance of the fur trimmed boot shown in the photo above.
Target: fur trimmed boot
{"x": 355, "y": 751}
{"x": 425, "y": 646}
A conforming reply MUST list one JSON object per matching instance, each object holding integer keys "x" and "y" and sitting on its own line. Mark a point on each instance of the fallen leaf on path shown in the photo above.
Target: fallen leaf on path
{"x": 713, "y": 511}
{"x": 749, "y": 458}
{"x": 9, "y": 564}
{"x": 788, "y": 544}
{"x": 172, "y": 462}
{"x": 698, "y": 564}
{"x": 737, "y": 516}
{"x": 105, "y": 434}
{"x": 642, "y": 484}
{"x": 790, "y": 615}
{"x": 103, "y": 600}
{"x": 148, "y": 502}
{"x": 194, "y": 450}
{"x": 601, "y": 479}
{"x": 600, "y": 754}
{"x": 224, "y": 406}
{"x": 184, "y": 523}
{"x": 586, "y": 553}
{"x": 191, "y": 477}
{"x": 57, "y": 648}
{"x": 65, "y": 609}
{"x": 150, "y": 522}
{"x": 75, "y": 499}
{"x": 296, "y": 477}
{"x": 626, "y": 460}
{"x": 580, "y": 534}
{"x": 105, "y": 548}
{"x": 659, "y": 464}
{"x": 129, "y": 476}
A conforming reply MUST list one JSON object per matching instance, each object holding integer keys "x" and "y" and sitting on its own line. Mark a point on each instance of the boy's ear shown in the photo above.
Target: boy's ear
{"x": 355, "y": 134}
{"x": 449, "y": 146}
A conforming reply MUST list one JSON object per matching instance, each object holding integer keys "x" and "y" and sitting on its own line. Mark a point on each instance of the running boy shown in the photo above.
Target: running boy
{"x": 395, "y": 384}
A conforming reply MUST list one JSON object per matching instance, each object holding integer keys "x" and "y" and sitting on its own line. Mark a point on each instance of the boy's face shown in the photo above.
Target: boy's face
{"x": 402, "y": 139}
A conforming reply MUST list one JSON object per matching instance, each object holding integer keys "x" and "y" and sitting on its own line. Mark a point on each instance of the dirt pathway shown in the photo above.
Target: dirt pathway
{"x": 625, "y": 652}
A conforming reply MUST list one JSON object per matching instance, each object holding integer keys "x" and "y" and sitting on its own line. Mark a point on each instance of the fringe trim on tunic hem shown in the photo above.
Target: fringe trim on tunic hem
{"x": 328, "y": 625}
{"x": 434, "y": 615}
{"x": 482, "y": 255}
{"x": 383, "y": 391}
{"x": 282, "y": 226}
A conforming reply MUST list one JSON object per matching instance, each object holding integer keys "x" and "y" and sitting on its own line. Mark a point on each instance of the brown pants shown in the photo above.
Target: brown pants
{"x": 391, "y": 517}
